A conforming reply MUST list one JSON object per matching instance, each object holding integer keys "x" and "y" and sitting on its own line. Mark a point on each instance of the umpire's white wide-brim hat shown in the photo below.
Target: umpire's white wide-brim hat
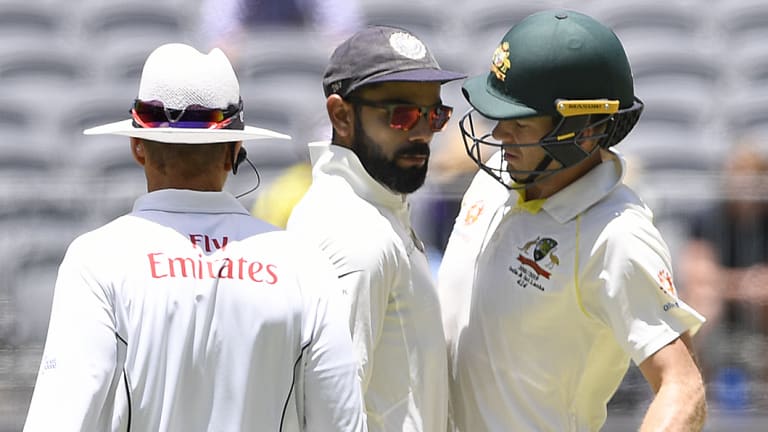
{"x": 179, "y": 76}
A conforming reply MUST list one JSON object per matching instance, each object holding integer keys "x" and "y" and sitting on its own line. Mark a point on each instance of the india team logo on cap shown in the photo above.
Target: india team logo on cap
{"x": 500, "y": 61}
{"x": 407, "y": 45}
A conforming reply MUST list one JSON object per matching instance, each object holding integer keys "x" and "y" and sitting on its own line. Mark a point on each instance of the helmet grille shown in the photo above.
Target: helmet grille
{"x": 623, "y": 122}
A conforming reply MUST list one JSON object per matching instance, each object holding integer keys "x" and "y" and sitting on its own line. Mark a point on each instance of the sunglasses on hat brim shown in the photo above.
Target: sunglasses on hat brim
{"x": 154, "y": 114}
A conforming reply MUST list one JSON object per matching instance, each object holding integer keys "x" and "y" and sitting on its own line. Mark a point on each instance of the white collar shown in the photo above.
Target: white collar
{"x": 332, "y": 159}
{"x": 189, "y": 201}
{"x": 589, "y": 189}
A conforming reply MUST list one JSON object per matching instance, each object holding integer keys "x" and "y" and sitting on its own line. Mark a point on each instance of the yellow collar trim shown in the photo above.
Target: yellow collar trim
{"x": 532, "y": 206}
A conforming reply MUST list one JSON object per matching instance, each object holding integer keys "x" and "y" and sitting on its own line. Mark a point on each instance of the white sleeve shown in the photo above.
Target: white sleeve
{"x": 629, "y": 287}
{"x": 368, "y": 291}
{"x": 366, "y": 272}
{"x": 79, "y": 370}
{"x": 332, "y": 399}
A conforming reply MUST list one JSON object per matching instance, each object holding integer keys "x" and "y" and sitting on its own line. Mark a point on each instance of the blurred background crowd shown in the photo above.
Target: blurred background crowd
{"x": 699, "y": 155}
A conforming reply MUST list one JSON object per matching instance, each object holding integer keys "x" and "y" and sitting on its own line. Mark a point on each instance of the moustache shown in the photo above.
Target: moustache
{"x": 415, "y": 149}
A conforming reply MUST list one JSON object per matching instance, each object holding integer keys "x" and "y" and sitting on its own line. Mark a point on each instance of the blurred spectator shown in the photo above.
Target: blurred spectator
{"x": 224, "y": 22}
{"x": 276, "y": 201}
{"x": 724, "y": 269}
{"x": 451, "y": 172}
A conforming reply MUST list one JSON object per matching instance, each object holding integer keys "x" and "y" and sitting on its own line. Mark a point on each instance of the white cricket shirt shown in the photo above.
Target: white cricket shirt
{"x": 188, "y": 314}
{"x": 365, "y": 231}
{"x": 545, "y": 302}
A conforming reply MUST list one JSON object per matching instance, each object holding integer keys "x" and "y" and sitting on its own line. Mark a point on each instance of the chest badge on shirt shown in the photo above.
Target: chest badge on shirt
{"x": 537, "y": 258}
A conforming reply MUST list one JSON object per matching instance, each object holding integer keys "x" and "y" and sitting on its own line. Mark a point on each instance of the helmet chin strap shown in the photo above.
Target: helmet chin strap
{"x": 560, "y": 145}
{"x": 534, "y": 176}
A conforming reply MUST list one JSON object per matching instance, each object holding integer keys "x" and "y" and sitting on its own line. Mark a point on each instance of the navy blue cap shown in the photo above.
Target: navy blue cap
{"x": 380, "y": 54}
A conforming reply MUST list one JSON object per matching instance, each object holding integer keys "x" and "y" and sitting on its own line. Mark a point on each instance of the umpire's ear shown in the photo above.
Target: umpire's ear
{"x": 342, "y": 116}
{"x": 137, "y": 150}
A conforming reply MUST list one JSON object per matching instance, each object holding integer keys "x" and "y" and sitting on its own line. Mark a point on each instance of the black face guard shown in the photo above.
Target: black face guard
{"x": 562, "y": 144}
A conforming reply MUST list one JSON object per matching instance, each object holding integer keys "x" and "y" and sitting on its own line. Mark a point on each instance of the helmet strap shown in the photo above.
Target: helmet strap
{"x": 566, "y": 150}
{"x": 537, "y": 171}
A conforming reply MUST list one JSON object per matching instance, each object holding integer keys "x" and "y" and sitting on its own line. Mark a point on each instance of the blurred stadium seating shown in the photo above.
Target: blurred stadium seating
{"x": 64, "y": 66}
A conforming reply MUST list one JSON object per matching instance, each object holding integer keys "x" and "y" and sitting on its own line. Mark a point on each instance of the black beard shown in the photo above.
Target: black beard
{"x": 386, "y": 171}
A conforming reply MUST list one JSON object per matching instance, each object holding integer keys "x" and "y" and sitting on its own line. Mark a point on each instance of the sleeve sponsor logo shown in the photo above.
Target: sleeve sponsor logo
{"x": 49, "y": 363}
{"x": 667, "y": 286}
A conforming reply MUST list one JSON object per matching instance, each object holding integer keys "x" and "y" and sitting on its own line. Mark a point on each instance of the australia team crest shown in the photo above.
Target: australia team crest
{"x": 537, "y": 259}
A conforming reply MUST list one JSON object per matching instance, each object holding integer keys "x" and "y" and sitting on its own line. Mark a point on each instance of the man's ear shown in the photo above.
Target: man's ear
{"x": 235, "y": 158}
{"x": 590, "y": 132}
{"x": 137, "y": 150}
{"x": 342, "y": 117}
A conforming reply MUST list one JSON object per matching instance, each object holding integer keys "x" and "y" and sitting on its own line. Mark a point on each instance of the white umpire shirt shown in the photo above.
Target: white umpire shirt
{"x": 188, "y": 314}
{"x": 365, "y": 231}
{"x": 545, "y": 302}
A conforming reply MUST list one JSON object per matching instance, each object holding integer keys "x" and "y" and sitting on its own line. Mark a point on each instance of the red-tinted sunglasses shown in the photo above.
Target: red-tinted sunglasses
{"x": 404, "y": 117}
{"x": 153, "y": 114}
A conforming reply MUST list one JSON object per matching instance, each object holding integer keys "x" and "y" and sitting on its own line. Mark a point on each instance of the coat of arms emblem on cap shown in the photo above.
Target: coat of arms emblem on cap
{"x": 500, "y": 61}
{"x": 407, "y": 45}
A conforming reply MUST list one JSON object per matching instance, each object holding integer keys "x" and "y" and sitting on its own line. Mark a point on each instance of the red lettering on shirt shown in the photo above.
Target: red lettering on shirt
{"x": 271, "y": 270}
{"x": 196, "y": 239}
{"x": 253, "y": 273}
{"x": 221, "y": 245}
{"x": 207, "y": 243}
{"x": 182, "y": 266}
{"x": 204, "y": 267}
{"x": 153, "y": 266}
{"x": 240, "y": 263}
{"x": 225, "y": 272}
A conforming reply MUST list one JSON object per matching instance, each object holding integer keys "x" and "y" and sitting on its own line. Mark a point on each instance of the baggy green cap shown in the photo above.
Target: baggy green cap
{"x": 551, "y": 55}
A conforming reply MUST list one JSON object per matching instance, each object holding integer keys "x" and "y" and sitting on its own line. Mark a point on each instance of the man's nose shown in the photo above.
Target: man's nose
{"x": 502, "y": 134}
{"x": 422, "y": 131}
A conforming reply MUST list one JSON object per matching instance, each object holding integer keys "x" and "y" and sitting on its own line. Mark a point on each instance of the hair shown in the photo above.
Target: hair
{"x": 351, "y": 95}
{"x": 187, "y": 160}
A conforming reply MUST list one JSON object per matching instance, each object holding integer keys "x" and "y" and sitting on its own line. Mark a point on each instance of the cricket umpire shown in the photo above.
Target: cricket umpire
{"x": 188, "y": 314}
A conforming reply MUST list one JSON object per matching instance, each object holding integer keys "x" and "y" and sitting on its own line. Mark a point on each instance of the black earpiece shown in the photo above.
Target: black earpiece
{"x": 241, "y": 155}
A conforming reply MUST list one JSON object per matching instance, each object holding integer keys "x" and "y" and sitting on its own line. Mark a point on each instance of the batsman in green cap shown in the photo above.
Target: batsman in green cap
{"x": 555, "y": 277}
